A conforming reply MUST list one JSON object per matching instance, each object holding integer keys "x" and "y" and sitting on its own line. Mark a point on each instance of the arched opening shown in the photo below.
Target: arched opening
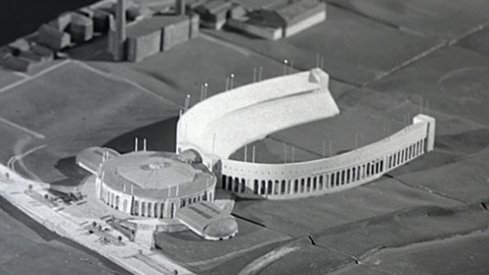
{"x": 143, "y": 209}
{"x": 135, "y": 209}
{"x": 270, "y": 187}
{"x": 223, "y": 183}
{"x": 229, "y": 185}
{"x": 255, "y": 185}
{"x": 236, "y": 185}
{"x": 117, "y": 202}
{"x": 150, "y": 207}
{"x": 243, "y": 185}
{"x": 263, "y": 187}
{"x": 172, "y": 210}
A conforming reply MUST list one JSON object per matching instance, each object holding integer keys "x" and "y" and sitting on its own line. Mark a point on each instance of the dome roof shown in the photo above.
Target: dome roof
{"x": 221, "y": 229}
{"x": 155, "y": 175}
{"x": 154, "y": 171}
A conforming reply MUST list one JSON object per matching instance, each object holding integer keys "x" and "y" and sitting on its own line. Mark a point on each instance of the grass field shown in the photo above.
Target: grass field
{"x": 68, "y": 109}
{"x": 436, "y": 257}
{"x": 355, "y": 49}
{"x": 438, "y": 18}
{"x": 29, "y": 248}
{"x": 187, "y": 248}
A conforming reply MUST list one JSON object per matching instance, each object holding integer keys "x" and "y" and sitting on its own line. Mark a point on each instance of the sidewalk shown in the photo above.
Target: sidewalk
{"x": 131, "y": 256}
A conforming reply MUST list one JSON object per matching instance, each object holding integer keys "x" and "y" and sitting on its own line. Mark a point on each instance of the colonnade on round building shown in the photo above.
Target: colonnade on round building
{"x": 153, "y": 184}
{"x": 144, "y": 207}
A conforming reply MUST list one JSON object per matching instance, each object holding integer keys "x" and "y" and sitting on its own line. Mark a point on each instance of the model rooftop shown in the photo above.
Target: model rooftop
{"x": 154, "y": 174}
{"x": 152, "y": 24}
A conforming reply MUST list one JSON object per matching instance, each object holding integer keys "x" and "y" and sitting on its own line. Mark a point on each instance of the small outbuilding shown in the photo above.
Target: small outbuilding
{"x": 81, "y": 28}
{"x": 209, "y": 221}
{"x": 283, "y": 19}
{"x": 53, "y": 37}
{"x": 213, "y": 14}
{"x": 159, "y": 33}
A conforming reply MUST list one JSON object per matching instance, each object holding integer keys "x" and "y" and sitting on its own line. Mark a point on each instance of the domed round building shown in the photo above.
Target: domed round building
{"x": 153, "y": 184}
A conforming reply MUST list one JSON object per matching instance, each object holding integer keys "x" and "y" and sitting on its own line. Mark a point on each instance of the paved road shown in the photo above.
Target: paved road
{"x": 29, "y": 248}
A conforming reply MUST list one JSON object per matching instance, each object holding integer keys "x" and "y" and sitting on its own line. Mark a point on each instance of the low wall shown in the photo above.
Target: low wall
{"x": 303, "y": 179}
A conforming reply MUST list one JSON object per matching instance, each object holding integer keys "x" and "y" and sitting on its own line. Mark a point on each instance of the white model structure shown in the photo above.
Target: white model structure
{"x": 168, "y": 188}
{"x": 221, "y": 124}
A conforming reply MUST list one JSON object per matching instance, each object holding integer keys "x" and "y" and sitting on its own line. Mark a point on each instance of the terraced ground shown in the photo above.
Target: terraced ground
{"x": 388, "y": 60}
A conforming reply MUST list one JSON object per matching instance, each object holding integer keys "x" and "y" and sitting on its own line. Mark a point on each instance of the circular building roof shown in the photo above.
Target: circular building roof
{"x": 222, "y": 228}
{"x": 157, "y": 175}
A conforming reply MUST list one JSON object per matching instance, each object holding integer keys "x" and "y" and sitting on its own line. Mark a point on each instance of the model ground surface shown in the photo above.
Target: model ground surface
{"x": 388, "y": 61}
{"x": 28, "y": 247}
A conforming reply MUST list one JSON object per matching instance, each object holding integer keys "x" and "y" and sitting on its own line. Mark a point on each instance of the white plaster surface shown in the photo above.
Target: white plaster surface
{"x": 227, "y": 121}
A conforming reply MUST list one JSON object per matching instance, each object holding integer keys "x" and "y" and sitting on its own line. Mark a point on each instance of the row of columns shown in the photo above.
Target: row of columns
{"x": 150, "y": 209}
{"x": 406, "y": 154}
{"x": 319, "y": 182}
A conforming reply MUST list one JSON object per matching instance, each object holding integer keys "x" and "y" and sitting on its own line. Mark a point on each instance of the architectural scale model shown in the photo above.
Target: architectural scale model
{"x": 311, "y": 149}
{"x": 181, "y": 186}
{"x": 134, "y": 33}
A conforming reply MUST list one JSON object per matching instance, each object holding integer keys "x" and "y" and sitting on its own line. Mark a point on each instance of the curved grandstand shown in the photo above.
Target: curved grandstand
{"x": 317, "y": 177}
{"x": 220, "y": 125}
